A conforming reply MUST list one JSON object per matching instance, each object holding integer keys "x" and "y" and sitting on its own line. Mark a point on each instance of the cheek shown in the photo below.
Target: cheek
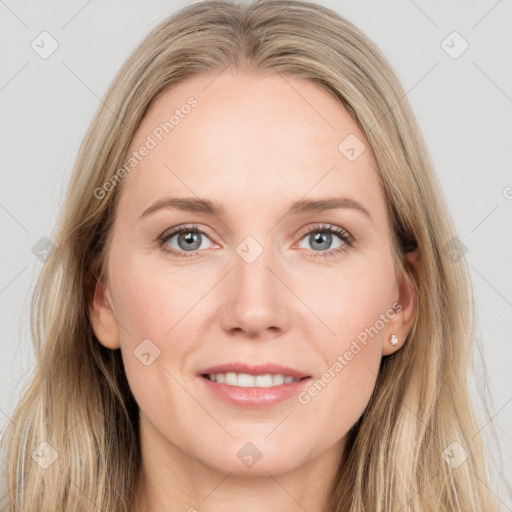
{"x": 151, "y": 308}
{"x": 153, "y": 297}
{"x": 351, "y": 299}
{"x": 355, "y": 304}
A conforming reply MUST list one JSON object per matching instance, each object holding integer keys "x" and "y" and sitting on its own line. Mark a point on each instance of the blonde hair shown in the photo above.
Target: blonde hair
{"x": 79, "y": 400}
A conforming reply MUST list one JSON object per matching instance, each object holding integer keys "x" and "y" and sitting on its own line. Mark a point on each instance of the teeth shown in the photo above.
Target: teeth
{"x": 244, "y": 380}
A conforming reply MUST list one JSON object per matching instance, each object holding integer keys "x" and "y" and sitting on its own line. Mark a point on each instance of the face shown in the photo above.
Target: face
{"x": 301, "y": 292}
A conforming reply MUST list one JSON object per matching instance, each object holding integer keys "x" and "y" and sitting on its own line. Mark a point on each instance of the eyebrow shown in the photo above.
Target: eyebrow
{"x": 206, "y": 206}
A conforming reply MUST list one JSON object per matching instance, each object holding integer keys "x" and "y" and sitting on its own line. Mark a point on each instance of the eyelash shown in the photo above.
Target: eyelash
{"x": 348, "y": 240}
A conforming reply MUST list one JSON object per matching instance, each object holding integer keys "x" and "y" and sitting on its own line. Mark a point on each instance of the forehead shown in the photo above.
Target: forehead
{"x": 249, "y": 138}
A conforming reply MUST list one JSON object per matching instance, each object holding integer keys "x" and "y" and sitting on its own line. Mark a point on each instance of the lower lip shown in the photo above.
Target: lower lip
{"x": 255, "y": 397}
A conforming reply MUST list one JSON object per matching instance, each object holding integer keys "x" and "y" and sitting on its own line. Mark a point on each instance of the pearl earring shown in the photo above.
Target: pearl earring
{"x": 393, "y": 340}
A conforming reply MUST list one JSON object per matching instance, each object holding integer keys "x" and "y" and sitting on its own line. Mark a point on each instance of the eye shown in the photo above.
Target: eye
{"x": 190, "y": 239}
{"x": 320, "y": 239}
{"x": 184, "y": 239}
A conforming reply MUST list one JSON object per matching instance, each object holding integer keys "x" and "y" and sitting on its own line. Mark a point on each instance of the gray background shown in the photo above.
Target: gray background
{"x": 463, "y": 104}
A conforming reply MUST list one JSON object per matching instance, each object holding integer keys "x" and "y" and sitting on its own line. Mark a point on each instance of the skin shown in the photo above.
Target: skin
{"x": 255, "y": 145}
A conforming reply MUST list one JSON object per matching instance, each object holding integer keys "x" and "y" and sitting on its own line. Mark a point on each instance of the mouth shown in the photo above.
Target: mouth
{"x": 250, "y": 385}
{"x": 245, "y": 380}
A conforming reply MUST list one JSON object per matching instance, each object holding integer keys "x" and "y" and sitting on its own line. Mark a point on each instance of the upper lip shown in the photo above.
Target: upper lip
{"x": 254, "y": 369}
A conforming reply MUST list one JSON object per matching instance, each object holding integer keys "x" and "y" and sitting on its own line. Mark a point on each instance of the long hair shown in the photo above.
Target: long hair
{"x": 73, "y": 440}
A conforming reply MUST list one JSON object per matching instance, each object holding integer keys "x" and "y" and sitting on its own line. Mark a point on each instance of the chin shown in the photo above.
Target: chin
{"x": 256, "y": 459}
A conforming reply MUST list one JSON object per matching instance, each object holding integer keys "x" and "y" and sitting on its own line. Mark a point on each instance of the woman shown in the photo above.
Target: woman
{"x": 197, "y": 350}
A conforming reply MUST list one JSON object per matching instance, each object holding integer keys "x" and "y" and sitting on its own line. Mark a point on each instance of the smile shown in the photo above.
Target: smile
{"x": 245, "y": 380}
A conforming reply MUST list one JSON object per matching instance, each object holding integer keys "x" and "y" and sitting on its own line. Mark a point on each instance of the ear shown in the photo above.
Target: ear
{"x": 101, "y": 315}
{"x": 405, "y": 315}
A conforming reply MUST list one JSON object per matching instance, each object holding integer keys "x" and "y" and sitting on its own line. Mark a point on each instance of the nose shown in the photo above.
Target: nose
{"x": 256, "y": 300}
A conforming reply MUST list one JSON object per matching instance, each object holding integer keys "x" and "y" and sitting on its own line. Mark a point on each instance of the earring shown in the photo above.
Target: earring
{"x": 393, "y": 340}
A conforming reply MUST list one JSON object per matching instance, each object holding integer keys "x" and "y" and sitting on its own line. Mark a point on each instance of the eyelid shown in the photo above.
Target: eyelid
{"x": 332, "y": 228}
{"x": 181, "y": 228}
{"x": 176, "y": 230}
{"x": 346, "y": 238}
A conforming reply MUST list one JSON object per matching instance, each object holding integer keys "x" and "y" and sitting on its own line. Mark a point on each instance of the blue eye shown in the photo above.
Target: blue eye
{"x": 190, "y": 239}
{"x": 320, "y": 239}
